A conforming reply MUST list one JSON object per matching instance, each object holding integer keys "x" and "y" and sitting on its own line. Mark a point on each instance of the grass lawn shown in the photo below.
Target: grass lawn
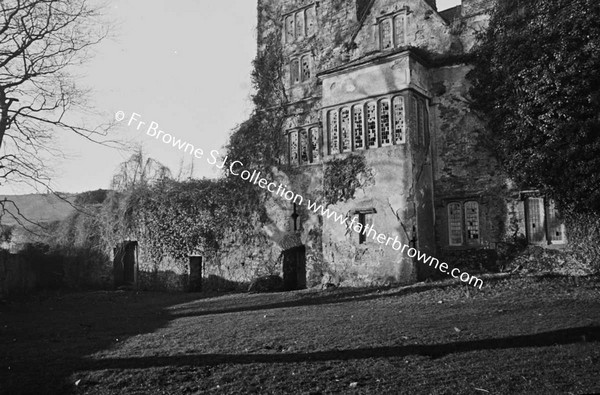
{"x": 519, "y": 335}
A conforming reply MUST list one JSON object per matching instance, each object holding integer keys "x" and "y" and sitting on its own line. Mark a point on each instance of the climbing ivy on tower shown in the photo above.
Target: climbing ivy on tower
{"x": 258, "y": 142}
{"x": 343, "y": 176}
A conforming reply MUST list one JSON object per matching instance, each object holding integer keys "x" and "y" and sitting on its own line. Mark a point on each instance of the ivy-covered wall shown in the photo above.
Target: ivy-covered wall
{"x": 396, "y": 184}
{"x": 401, "y": 190}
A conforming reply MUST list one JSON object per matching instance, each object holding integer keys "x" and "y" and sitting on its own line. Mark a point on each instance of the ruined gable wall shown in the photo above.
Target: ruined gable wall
{"x": 425, "y": 28}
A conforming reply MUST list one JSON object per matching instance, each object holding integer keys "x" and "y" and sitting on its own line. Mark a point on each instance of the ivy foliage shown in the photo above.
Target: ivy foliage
{"x": 175, "y": 218}
{"x": 181, "y": 218}
{"x": 217, "y": 215}
{"x": 343, "y": 176}
{"x": 536, "y": 80}
{"x": 258, "y": 142}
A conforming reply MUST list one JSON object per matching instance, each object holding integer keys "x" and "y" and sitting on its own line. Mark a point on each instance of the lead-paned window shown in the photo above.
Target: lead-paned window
{"x": 455, "y": 230}
{"x": 300, "y": 25}
{"x": 294, "y": 148}
{"x": 289, "y": 28}
{"x": 285, "y": 154}
{"x": 359, "y": 131}
{"x": 334, "y": 133}
{"x": 304, "y": 147}
{"x": 392, "y": 31}
{"x": 385, "y": 122}
{"x": 385, "y": 27}
{"x": 295, "y": 71}
{"x": 399, "y": 31}
{"x": 314, "y": 144}
{"x": 472, "y": 222}
{"x": 399, "y": 123}
{"x": 345, "y": 129}
{"x": 372, "y": 123}
{"x": 305, "y": 67}
{"x": 311, "y": 21}
{"x": 378, "y": 123}
{"x": 464, "y": 228}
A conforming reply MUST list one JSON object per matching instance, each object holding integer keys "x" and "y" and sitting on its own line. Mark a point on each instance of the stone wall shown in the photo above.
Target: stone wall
{"x": 234, "y": 267}
{"x": 425, "y": 28}
{"x": 412, "y": 182}
{"x": 463, "y": 166}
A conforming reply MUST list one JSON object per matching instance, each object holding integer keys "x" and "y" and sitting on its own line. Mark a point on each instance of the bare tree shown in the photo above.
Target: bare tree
{"x": 40, "y": 42}
{"x": 137, "y": 171}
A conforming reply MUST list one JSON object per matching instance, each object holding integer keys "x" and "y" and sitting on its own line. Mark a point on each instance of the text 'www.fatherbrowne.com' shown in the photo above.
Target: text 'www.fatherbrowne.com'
{"x": 236, "y": 168}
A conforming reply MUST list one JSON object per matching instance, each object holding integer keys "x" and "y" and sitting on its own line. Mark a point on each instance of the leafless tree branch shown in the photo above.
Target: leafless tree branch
{"x": 41, "y": 41}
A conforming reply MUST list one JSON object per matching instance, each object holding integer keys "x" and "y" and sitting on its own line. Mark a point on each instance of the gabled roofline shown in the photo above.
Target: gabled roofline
{"x": 372, "y": 2}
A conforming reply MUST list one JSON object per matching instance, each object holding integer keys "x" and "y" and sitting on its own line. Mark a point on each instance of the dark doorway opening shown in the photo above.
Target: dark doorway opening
{"x": 125, "y": 263}
{"x": 294, "y": 268}
{"x": 195, "y": 284}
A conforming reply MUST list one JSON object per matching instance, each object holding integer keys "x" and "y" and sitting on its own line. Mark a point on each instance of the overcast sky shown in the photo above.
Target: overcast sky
{"x": 184, "y": 64}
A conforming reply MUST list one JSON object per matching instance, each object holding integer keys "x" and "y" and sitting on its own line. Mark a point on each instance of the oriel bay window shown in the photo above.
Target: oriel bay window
{"x": 374, "y": 123}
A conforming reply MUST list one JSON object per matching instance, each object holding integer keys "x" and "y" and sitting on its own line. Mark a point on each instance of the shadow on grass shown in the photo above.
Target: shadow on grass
{"x": 341, "y": 295}
{"x": 44, "y": 340}
{"x": 545, "y": 339}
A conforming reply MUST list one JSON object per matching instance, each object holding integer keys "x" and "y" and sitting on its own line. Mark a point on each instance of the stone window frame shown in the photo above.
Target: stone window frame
{"x": 310, "y": 130}
{"x": 546, "y": 210}
{"x": 465, "y": 239}
{"x": 389, "y": 98}
{"x": 391, "y": 19}
{"x": 365, "y": 217}
{"x": 299, "y": 60}
{"x": 293, "y": 16}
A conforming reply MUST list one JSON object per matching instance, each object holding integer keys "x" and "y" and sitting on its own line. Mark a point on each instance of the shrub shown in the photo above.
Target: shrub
{"x": 584, "y": 238}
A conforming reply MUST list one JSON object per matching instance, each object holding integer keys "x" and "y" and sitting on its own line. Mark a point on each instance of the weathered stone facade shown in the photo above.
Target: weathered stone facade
{"x": 387, "y": 80}
{"x": 384, "y": 82}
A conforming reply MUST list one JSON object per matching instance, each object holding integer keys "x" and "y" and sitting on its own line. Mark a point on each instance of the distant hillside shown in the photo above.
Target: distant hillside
{"x": 38, "y": 208}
